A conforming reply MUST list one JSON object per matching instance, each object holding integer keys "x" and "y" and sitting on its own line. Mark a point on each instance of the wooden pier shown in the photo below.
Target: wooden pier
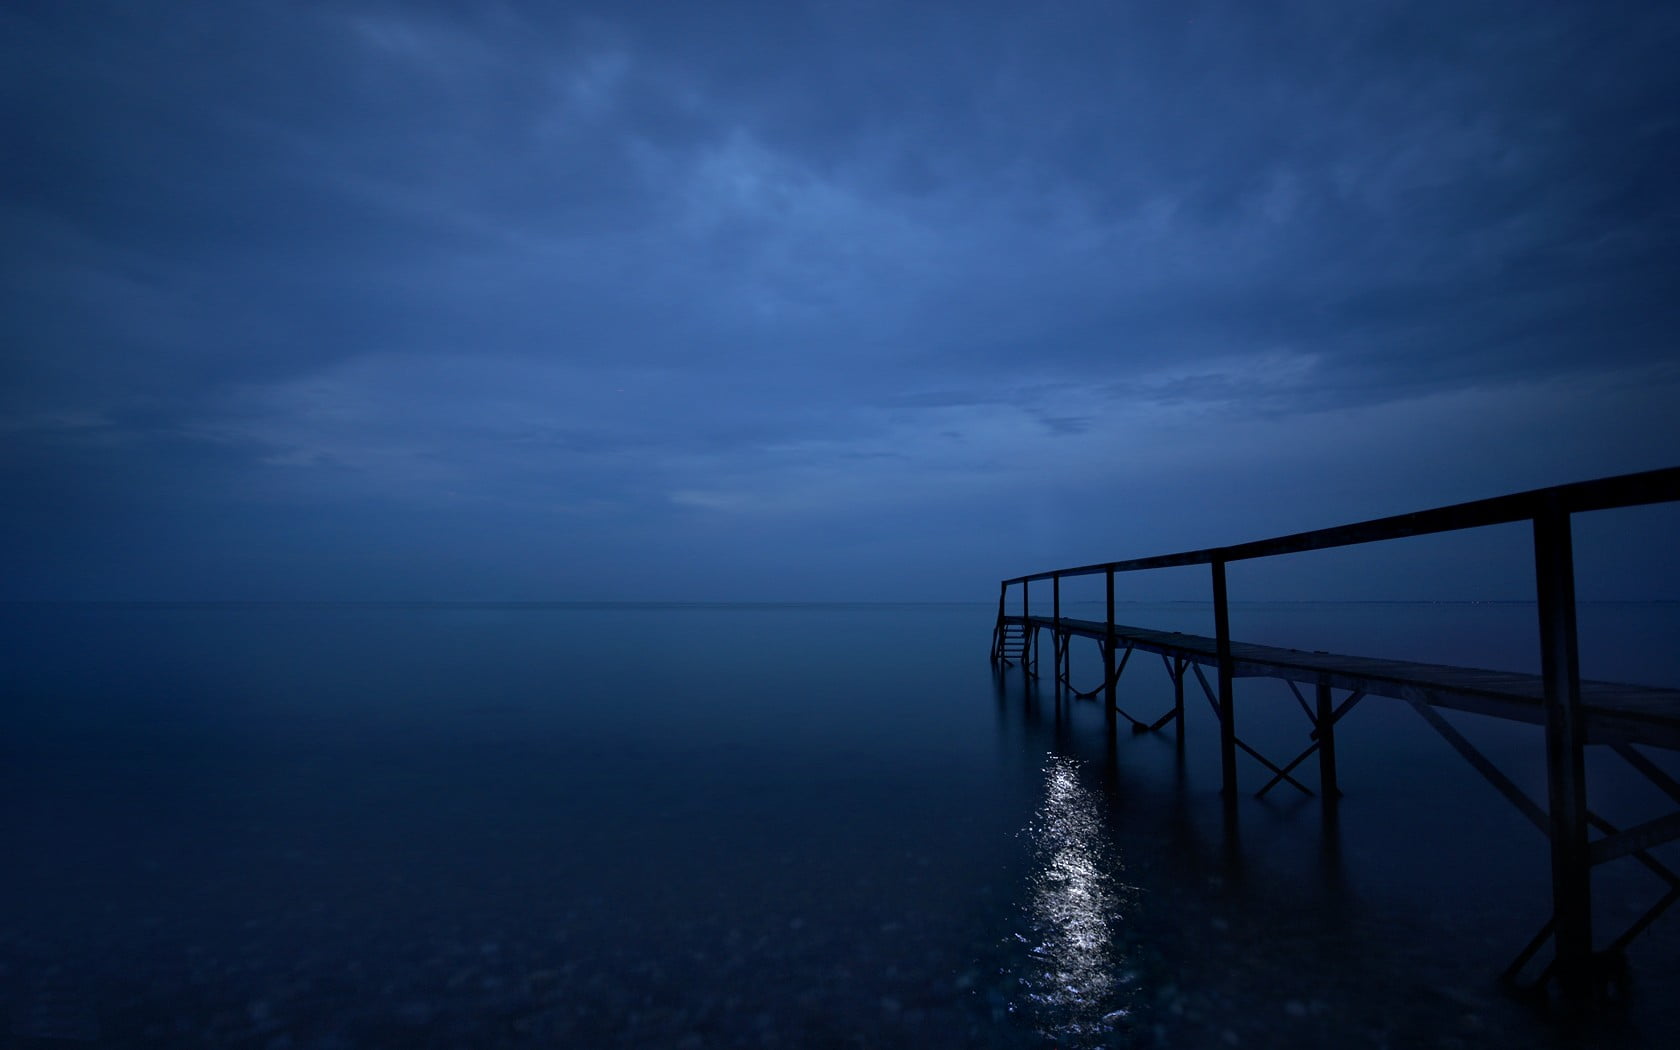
{"x": 1576, "y": 714}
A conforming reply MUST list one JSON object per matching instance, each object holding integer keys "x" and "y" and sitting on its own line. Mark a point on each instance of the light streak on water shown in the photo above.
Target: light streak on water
{"x": 1074, "y": 976}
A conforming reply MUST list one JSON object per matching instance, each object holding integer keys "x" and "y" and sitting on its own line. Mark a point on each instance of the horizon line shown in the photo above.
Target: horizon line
{"x": 765, "y": 603}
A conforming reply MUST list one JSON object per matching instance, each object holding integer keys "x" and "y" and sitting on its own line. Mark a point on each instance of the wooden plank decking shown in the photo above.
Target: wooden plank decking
{"x": 1615, "y": 713}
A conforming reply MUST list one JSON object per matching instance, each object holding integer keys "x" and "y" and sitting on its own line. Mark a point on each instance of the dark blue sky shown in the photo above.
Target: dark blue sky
{"x": 810, "y": 301}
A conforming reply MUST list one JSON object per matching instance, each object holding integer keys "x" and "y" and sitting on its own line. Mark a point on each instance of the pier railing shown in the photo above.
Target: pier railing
{"x": 1548, "y": 511}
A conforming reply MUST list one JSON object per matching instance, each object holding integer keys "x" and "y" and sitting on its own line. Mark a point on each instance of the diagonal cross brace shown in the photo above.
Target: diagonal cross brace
{"x": 1515, "y": 795}
{"x": 1527, "y": 953}
{"x": 1636, "y": 839}
{"x": 1059, "y": 648}
{"x": 1653, "y": 772}
{"x": 1341, "y": 709}
{"x": 1257, "y": 756}
{"x": 1114, "y": 676}
{"x": 1635, "y": 928}
{"x": 1178, "y": 686}
{"x": 1299, "y": 699}
{"x": 1616, "y": 844}
{"x": 1316, "y": 738}
{"x": 1490, "y": 772}
{"x": 1645, "y": 920}
{"x": 1283, "y": 774}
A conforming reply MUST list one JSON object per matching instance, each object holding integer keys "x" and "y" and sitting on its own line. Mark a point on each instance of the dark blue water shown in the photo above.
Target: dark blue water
{"x": 389, "y": 826}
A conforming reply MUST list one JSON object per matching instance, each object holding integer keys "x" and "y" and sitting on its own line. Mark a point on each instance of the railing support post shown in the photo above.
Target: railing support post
{"x": 1325, "y": 720}
{"x": 1108, "y": 648}
{"x": 1178, "y": 702}
{"x": 1027, "y": 632}
{"x": 1227, "y": 712}
{"x": 1057, "y": 643}
{"x": 997, "y": 629}
{"x": 1566, "y": 782}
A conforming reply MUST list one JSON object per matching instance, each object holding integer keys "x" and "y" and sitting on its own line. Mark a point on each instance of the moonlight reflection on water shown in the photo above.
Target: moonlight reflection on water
{"x": 1074, "y": 974}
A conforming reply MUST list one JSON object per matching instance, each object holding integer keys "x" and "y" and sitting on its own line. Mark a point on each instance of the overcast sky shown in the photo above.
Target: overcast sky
{"x": 820, "y": 301}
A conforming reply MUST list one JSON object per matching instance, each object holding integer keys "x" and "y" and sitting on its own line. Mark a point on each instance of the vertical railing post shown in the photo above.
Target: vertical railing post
{"x": 1028, "y": 635}
{"x": 1566, "y": 782}
{"x": 1227, "y": 710}
{"x": 1179, "y": 667}
{"x": 1108, "y": 649}
{"x": 997, "y": 629}
{"x": 1057, "y": 643}
{"x": 1326, "y": 727}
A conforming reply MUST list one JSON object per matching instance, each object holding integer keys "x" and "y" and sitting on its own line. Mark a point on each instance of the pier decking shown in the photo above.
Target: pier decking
{"x": 1574, "y": 713}
{"x": 1613, "y": 713}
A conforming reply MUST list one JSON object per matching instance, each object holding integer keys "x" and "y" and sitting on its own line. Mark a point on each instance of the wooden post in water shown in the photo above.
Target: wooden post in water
{"x": 1178, "y": 702}
{"x": 1026, "y": 630}
{"x": 1108, "y": 650}
{"x": 1566, "y": 781}
{"x": 1057, "y": 642}
{"x": 997, "y": 632}
{"x": 1326, "y": 718}
{"x": 1227, "y": 711}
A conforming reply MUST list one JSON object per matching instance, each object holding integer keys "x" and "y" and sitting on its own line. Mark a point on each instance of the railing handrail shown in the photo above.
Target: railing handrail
{"x": 1622, "y": 490}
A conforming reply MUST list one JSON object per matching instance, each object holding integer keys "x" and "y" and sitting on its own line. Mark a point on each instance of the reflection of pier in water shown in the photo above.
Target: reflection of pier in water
{"x": 1107, "y": 961}
{"x": 1574, "y": 713}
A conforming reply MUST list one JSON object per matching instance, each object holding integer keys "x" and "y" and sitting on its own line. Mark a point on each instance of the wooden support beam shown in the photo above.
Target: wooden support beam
{"x": 1178, "y": 699}
{"x": 1026, "y": 614}
{"x": 1639, "y": 925}
{"x": 1289, "y": 767}
{"x": 1527, "y": 953}
{"x": 1490, "y": 772}
{"x": 1566, "y": 776}
{"x": 1235, "y": 741}
{"x": 1125, "y": 658}
{"x": 1636, "y": 839}
{"x": 1171, "y": 714}
{"x": 1323, "y": 742}
{"x": 1177, "y": 710}
{"x": 1138, "y": 726}
{"x": 997, "y": 631}
{"x": 1281, "y": 774}
{"x": 1652, "y": 772}
{"x": 1207, "y": 690}
{"x": 1652, "y": 864}
{"x": 1056, "y": 632}
{"x": 1302, "y": 701}
{"x": 1108, "y": 648}
{"x": 1325, "y": 727}
{"x": 1657, "y": 868}
{"x": 1227, "y": 705}
{"x": 1107, "y": 684}
{"x": 1342, "y": 709}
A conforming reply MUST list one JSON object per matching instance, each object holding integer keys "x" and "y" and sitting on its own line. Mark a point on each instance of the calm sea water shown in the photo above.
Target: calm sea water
{"x": 695, "y": 826}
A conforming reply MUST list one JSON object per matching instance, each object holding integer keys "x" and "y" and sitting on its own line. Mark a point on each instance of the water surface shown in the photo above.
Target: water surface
{"x": 372, "y": 826}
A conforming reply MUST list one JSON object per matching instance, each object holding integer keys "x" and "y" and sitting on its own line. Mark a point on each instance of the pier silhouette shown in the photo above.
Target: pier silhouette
{"x": 1575, "y": 714}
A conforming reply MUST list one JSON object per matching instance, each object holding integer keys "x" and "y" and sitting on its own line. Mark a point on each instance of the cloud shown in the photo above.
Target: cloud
{"x": 654, "y": 266}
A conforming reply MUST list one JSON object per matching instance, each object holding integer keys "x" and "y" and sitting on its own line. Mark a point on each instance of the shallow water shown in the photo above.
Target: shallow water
{"x": 369, "y": 826}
